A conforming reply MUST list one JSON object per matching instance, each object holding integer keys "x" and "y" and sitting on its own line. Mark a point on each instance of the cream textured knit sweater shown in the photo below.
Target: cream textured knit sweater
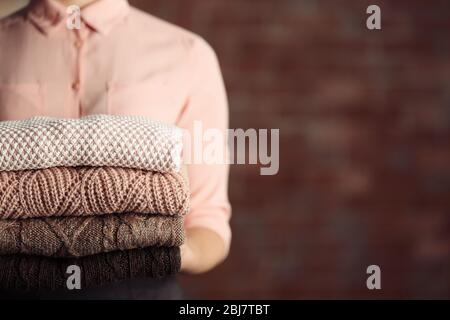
{"x": 99, "y": 140}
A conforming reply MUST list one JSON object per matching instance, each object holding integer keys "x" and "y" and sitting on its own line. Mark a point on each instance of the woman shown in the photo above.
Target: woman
{"x": 123, "y": 62}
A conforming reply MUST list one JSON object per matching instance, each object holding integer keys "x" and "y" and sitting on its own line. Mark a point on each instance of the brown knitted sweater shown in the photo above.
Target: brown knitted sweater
{"x": 82, "y": 236}
{"x": 66, "y": 191}
{"x": 24, "y": 272}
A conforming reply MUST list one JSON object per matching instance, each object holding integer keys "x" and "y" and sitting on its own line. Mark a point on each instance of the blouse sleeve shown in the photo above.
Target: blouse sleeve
{"x": 207, "y": 107}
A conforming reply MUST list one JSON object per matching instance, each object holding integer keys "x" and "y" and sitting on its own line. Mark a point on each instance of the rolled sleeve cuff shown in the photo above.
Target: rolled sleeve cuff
{"x": 217, "y": 222}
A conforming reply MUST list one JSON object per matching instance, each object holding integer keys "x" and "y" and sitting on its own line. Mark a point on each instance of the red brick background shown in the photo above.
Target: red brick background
{"x": 365, "y": 158}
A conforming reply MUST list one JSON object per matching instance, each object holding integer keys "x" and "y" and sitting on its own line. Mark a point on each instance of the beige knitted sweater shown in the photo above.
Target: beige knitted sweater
{"x": 66, "y": 191}
{"x": 83, "y": 236}
{"x": 99, "y": 140}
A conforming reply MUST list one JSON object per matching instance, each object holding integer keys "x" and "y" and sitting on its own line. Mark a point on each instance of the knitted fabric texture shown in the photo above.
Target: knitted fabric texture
{"x": 26, "y": 273}
{"x": 82, "y": 236}
{"x": 99, "y": 140}
{"x": 67, "y": 191}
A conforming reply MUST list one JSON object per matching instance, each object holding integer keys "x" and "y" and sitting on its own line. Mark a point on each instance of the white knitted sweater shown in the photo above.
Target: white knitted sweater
{"x": 99, "y": 140}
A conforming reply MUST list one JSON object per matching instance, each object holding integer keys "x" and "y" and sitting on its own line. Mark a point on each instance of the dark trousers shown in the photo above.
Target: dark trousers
{"x": 134, "y": 289}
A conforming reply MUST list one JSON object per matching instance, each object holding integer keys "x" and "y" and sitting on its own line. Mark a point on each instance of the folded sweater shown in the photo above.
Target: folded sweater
{"x": 99, "y": 140}
{"x": 67, "y": 191}
{"x": 83, "y": 236}
{"x": 27, "y": 272}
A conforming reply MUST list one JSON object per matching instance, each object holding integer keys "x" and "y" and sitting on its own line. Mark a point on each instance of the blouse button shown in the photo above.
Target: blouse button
{"x": 76, "y": 86}
{"x": 78, "y": 44}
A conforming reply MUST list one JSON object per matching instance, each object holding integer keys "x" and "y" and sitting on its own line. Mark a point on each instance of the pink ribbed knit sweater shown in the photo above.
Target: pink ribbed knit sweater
{"x": 67, "y": 191}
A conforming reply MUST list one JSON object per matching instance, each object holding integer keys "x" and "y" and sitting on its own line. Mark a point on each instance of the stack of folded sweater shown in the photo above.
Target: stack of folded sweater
{"x": 104, "y": 193}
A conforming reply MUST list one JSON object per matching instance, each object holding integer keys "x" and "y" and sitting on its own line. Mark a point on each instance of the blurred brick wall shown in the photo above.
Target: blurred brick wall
{"x": 365, "y": 145}
{"x": 365, "y": 158}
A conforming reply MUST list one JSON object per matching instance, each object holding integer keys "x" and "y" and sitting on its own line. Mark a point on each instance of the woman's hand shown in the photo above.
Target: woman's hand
{"x": 202, "y": 251}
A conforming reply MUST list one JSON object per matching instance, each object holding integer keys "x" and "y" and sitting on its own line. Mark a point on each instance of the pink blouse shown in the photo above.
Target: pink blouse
{"x": 122, "y": 62}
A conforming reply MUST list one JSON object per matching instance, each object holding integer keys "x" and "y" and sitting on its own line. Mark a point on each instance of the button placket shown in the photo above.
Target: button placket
{"x": 76, "y": 84}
